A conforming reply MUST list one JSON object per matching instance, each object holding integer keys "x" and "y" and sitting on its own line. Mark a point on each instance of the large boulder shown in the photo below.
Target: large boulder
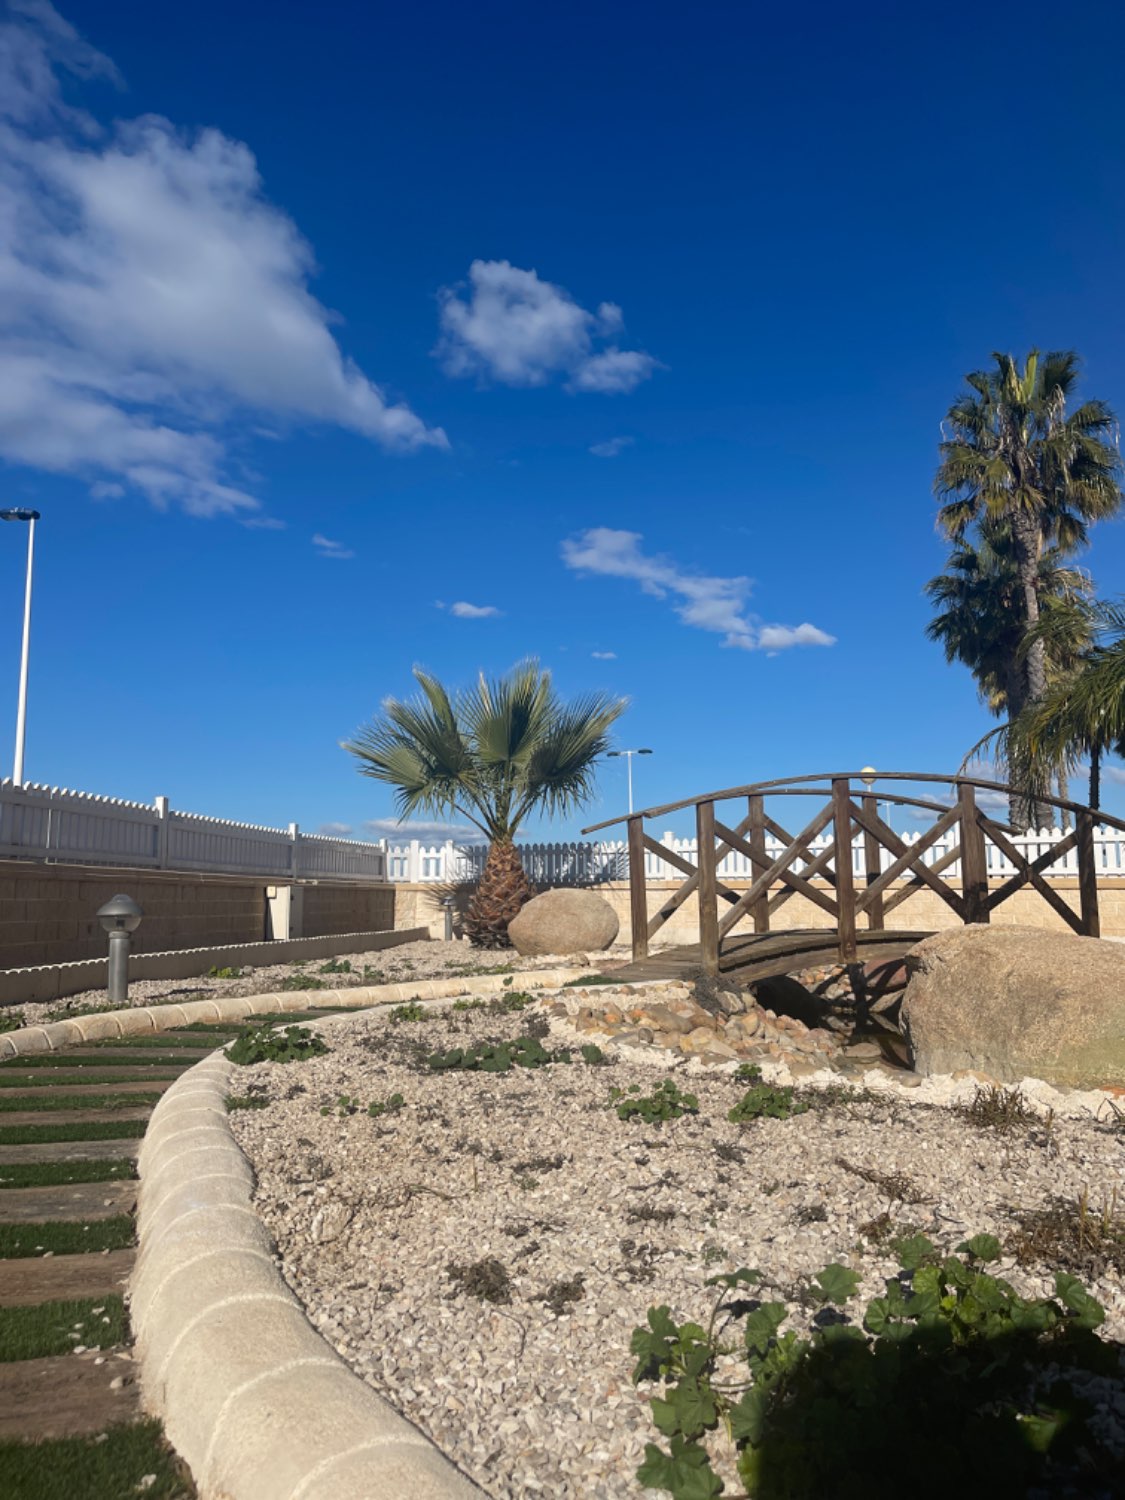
{"x": 563, "y": 922}
{"x": 1017, "y": 1002}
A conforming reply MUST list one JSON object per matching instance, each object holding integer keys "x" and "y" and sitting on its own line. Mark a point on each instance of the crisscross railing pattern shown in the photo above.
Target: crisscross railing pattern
{"x": 817, "y": 861}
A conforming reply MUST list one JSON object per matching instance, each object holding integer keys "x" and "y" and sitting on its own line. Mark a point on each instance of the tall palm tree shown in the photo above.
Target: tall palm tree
{"x": 979, "y": 623}
{"x": 493, "y": 755}
{"x": 1014, "y": 455}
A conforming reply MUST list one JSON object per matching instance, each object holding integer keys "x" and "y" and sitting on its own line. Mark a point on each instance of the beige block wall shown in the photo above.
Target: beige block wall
{"x": 418, "y": 906}
{"x": 329, "y": 909}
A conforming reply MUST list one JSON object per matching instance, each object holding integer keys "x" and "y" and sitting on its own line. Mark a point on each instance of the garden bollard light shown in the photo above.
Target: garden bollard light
{"x": 120, "y": 917}
{"x": 447, "y": 904}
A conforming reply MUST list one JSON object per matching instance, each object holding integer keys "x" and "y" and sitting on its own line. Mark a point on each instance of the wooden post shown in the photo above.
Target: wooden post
{"x": 1087, "y": 875}
{"x": 759, "y": 909}
{"x": 845, "y": 883}
{"x": 638, "y": 888}
{"x": 974, "y": 859}
{"x": 708, "y": 893}
{"x": 872, "y": 859}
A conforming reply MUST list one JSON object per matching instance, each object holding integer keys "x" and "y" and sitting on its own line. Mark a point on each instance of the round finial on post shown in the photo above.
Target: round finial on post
{"x": 120, "y": 917}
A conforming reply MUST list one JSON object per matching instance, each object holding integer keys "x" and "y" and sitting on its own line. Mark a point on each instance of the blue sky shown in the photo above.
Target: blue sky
{"x": 633, "y": 326}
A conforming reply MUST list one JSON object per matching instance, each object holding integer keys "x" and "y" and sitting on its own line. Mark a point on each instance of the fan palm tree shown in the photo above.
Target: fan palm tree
{"x": 493, "y": 755}
{"x": 1015, "y": 456}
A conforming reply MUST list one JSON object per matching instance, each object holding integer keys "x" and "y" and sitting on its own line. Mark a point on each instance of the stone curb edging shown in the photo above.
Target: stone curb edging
{"x": 139, "y": 1020}
{"x": 259, "y": 1406}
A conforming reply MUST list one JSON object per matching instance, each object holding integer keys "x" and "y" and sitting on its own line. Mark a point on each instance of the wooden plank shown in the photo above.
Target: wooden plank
{"x": 949, "y": 858}
{"x": 974, "y": 860}
{"x": 708, "y": 894}
{"x": 873, "y": 863}
{"x": 816, "y": 868}
{"x": 53, "y": 1151}
{"x": 845, "y": 884}
{"x": 68, "y": 1396}
{"x": 685, "y": 891}
{"x": 1030, "y": 873}
{"x": 80, "y": 1201}
{"x": 788, "y": 877}
{"x": 673, "y": 858}
{"x": 755, "y": 816}
{"x": 909, "y": 857}
{"x": 62, "y": 1278}
{"x": 767, "y": 878}
{"x": 638, "y": 888}
{"x": 1087, "y": 876}
{"x": 815, "y": 862}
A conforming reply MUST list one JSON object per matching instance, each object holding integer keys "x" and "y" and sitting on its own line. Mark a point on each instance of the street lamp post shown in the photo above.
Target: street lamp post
{"x": 628, "y": 754}
{"x": 868, "y": 775}
{"x": 31, "y": 516}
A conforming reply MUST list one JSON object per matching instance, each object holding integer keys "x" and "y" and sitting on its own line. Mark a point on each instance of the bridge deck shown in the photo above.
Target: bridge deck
{"x": 754, "y": 956}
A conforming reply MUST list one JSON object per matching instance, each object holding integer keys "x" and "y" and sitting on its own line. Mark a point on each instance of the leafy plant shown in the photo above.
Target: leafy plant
{"x": 255, "y": 1044}
{"x": 849, "y": 1410}
{"x": 335, "y": 966}
{"x": 11, "y": 1020}
{"x": 389, "y": 1106}
{"x": 513, "y": 1001}
{"x": 302, "y": 982}
{"x": 224, "y": 972}
{"x": 411, "y": 1011}
{"x": 499, "y": 1057}
{"x": 666, "y": 1102}
{"x": 764, "y": 1101}
{"x": 246, "y": 1101}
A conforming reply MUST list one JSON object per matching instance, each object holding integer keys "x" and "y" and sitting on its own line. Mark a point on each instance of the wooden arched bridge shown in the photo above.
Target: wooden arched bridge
{"x": 857, "y": 893}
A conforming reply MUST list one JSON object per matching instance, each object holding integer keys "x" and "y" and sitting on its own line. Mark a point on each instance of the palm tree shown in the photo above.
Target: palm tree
{"x": 1083, "y": 711}
{"x": 979, "y": 621}
{"x": 1014, "y": 456}
{"x": 492, "y": 755}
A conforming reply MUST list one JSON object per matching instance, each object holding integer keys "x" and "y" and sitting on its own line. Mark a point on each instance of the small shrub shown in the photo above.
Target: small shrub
{"x": 11, "y": 1020}
{"x": 255, "y": 1044}
{"x": 666, "y": 1102}
{"x": 1073, "y": 1235}
{"x": 1000, "y": 1109}
{"x": 468, "y": 1005}
{"x": 335, "y": 966}
{"x": 411, "y": 1011}
{"x": 302, "y": 982}
{"x": 487, "y": 1279}
{"x": 389, "y": 1106}
{"x": 764, "y": 1101}
{"x": 593, "y": 1056}
{"x": 246, "y": 1101}
{"x": 514, "y": 1000}
{"x": 498, "y": 1057}
{"x": 224, "y": 972}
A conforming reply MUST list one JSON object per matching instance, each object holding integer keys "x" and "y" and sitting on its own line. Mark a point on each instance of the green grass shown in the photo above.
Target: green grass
{"x": 88, "y": 1469}
{"x": 177, "y": 1039}
{"x": 42, "y": 1080}
{"x": 91, "y": 1060}
{"x": 76, "y": 1130}
{"x": 19, "y": 1241}
{"x": 27, "y": 1174}
{"x": 45, "y": 1330}
{"x": 77, "y": 1101}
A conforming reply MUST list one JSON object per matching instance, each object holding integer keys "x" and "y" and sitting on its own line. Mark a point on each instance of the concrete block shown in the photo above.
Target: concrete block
{"x": 387, "y": 1471}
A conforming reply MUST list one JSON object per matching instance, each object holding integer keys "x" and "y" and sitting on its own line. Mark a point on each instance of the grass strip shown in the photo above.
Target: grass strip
{"x": 20, "y": 1241}
{"x": 75, "y": 1130}
{"x": 43, "y": 1080}
{"x": 25, "y": 1174}
{"x": 177, "y": 1039}
{"x": 87, "y": 1060}
{"x": 76, "y": 1101}
{"x": 58, "y": 1327}
{"x": 114, "y": 1465}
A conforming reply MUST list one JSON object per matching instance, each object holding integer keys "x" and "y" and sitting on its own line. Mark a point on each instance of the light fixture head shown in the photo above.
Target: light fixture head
{"x": 120, "y": 914}
{"x": 868, "y": 775}
{"x": 19, "y": 514}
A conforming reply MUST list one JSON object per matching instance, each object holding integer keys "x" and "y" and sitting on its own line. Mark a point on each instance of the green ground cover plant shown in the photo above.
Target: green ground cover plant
{"x": 764, "y": 1101}
{"x": 349, "y": 1104}
{"x": 52, "y": 1328}
{"x": 501, "y": 1057}
{"x": 68, "y": 1012}
{"x": 45, "y": 1080}
{"x": 112, "y": 1466}
{"x": 245, "y": 1101}
{"x": 217, "y": 971}
{"x": 590, "y": 981}
{"x": 411, "y": 1011}
{"x": 666, "y": 1102}
{"x": 949, "y": 1384}
{"x": 27, "y": 1174}
{"x": 177, "y": 1039}
{"x": 256, "y": 1044}
{"x": 336, "y": 966}
{"x": 19, "y": 1241}
{"x": 68, "y": 1059}
{"x": 19, "y": 1102}
{"x": 302, "y": 982}
{"x": 72, "y": 1130}
{"x": 11, "y": 1020}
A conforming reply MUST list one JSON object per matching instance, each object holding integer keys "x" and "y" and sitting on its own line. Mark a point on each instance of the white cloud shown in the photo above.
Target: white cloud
{"x": 612, "y": 447}
{"x": 1114, "y": 773}
{"x": 326, "y": 547}
{"x": 707, "y": 603}
{"x": 604, "y": 655}
{"x": 104, "y": 490}
{"x": 520, "y": 330}
{"x": 396, "y": 832}
{"x": 150, "y": 295}
{"x": 464, "y": 611}
{"x": 335, "y": 830}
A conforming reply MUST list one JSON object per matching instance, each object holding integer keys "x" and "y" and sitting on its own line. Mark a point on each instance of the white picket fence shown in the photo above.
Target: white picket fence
{"x": 593, "y": 864}
{"x": 49, "y": 823}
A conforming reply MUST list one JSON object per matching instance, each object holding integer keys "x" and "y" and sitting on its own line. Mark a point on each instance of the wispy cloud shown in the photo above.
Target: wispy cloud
{"x": 706, "y": 602}
{"x": 1114, "y": 773}
{"x": 335, "y": 830}
{"x": 326, "y": 547}
{"x": 511, "y": 326}
{"x": 396, "y": 832}
{"x": 612, "y": 447}
{"x": 465, "y": 611}
{"x": 153, "y": 296}
{"x": 604, "y": 655}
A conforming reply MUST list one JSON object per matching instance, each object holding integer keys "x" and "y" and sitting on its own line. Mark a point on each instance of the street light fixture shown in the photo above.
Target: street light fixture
{"x": 31, "y": 516}
{"x": 120, "y": 917}
{"x": 628, "y": 754}
{"x": 867, "y": 776}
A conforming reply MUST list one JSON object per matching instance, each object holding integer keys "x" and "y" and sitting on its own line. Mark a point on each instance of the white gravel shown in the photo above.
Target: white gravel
{"x": 533, "y": 1168}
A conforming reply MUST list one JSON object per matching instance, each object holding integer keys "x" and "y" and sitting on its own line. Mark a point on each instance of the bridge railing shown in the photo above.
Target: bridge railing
{"x": 882, "y": 869}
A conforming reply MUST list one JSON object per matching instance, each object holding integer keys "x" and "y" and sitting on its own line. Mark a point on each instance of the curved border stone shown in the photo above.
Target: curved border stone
{"x": 137, "y": 1020}
{"x": 256, "y": 1402}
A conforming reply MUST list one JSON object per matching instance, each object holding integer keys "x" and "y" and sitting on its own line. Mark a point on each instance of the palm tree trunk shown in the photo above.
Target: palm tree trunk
{"x": 1064, "y": 795}
{"x": 1027, "y": 811}
{"x": 504, "y": 888}
{"x": 1095, "y": 776}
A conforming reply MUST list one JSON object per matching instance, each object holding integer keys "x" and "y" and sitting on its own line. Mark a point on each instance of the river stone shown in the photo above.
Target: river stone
{"x": 563, "y": 921}
{"x": 1017, "y": 1002}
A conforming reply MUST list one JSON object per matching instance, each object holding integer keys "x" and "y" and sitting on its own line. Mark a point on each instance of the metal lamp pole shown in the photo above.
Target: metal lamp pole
{"x": 628, "y": 754}
{"x": 31, "y": 516}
